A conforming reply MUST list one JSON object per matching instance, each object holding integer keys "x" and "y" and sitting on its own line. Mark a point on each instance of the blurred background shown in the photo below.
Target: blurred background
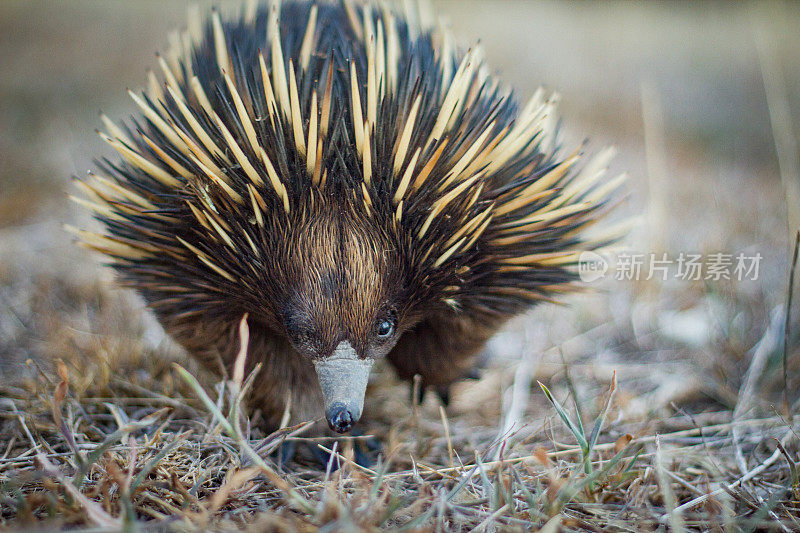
{"x": 701, "y": 100}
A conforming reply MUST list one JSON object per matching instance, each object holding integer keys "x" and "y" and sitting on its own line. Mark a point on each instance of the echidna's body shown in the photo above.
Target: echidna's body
{"x": 352, "y": 181}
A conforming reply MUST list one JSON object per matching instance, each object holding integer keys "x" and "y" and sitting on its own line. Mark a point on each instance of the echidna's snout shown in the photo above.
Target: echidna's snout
{"x": 343, "y": 379}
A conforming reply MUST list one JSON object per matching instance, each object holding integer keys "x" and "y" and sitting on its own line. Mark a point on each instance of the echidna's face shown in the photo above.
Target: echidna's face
{"x": 341, "y": 305}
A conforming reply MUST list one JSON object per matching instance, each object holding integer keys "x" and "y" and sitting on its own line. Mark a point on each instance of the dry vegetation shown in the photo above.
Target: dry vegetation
{"x": 663, "y": 405}
{"x": 118, "y": 435}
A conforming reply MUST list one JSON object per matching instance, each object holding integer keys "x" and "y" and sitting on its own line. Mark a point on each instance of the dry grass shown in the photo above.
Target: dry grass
{"x": 118, "y": 435}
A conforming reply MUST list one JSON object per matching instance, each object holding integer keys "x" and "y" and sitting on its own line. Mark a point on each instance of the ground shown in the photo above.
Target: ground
{"x": 684, "y": 378}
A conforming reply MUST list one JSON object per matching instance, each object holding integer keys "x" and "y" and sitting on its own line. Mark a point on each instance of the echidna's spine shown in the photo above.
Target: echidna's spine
{"x": 257, "y": 118}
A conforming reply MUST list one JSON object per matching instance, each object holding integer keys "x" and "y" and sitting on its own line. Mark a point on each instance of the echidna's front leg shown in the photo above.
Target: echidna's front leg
{"x": 442, "y": 349}
{"x": 284, "y": 380}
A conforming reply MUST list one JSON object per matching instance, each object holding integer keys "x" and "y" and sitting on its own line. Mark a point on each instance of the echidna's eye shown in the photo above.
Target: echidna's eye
{"x": 385, "y": 328}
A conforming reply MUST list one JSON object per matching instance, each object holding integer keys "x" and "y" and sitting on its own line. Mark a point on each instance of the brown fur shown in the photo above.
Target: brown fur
{"x": 441, "y": 349}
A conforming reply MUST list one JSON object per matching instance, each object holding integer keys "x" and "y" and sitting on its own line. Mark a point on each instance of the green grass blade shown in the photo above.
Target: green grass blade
{"x": 574, "y": 429}
{"x": 211, "y": 406}
{"x": 601, "y": 418}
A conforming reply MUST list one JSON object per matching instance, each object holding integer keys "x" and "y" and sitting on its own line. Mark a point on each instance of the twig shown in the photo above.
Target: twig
{"x": 744, "y": 479}
{"x": 673, "y": 515}
{"x": 520, "y": 389}
{"x": 447, "y": 433}
{"x": 489, "y": 519}
{"x": 767, "y": 345}
{"x": 780, "y": 118}
{"x": 348, "y": 461}
{"x": 787, "y": 327}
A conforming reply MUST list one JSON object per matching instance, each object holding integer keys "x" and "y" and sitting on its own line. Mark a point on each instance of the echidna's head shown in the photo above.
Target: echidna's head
{"x": 341, "y": 298}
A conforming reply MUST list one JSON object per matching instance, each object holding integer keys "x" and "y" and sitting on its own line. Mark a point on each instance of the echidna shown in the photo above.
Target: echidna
{"x": 351, "y": 179}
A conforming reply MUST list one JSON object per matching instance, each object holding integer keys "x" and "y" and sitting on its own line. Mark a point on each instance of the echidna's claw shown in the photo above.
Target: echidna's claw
{"x": 442, "y": 392}
{"x": 474, "y": 373}
{"x": 365, "y": 452}
{"x": 444, "y": 395}
{"x": 420, "y": 391}
{"x": 286, "y": 452}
